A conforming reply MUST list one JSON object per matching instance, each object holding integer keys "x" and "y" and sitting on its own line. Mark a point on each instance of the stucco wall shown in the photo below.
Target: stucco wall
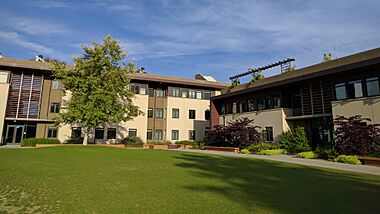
{"x": 4, "y": 89}
{"x": 183, "y": 123}
{"x": 368, "y": 107}
{"x": 266, "y": 118}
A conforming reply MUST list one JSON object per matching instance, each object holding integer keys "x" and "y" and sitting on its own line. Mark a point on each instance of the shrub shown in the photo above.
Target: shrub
{"x": 350, "y": 159}
{"x": 132, "y": 140}
{"x": 165, "y": 142}
{"x": 78, "y": 140}
{"x": 254, "y": 148}
{"x": 239, "y": 133}
{"x": 307, "y": 155}
{"x": 326, "y": 152}
{"x": 294, "y": 141}
{"x": 272, "y": 152}
{"x": 186, "y": 142}
{"x": 199, "y": 145}
{"x": 245, "y": 151}
{"x": 31, "y": 142}
{"x": 356, "y": 136}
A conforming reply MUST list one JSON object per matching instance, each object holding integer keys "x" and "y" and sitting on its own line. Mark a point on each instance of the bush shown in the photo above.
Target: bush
{"x": 326, "y": 152}
{"x": 166, "y": 142}
{"x": 356, "y": 136}
{"x": 350, "y": 159}
{"x": 132, "y": 140}
{"x": 294, "y": 141}
{"x": 245, "y": 151}
{"x": 31, "y": 142}
{"x": 78, "y": 140}
{"x": 254, "y": 148}
{"x": 239, "y": 133}
{"x": 307, "y": 155}
{"x": 272, "y": 152}
{"x": 186, "y": 142}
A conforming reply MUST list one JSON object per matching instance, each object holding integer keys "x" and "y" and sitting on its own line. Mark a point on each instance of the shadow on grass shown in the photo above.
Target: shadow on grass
{"x": 284, "y": 188}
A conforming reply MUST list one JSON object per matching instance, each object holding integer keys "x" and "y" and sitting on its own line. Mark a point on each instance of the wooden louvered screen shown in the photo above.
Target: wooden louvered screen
{"x": 327, "y": 95}
{"x": 24, "y": 96}
{"x": 306, "y": 100}
{"x": 316, "y": 97}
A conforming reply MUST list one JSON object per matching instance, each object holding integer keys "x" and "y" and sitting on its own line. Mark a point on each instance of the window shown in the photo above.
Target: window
{"x": 150, "y": 112}
{"x": 251, "y": 105}
{"x": 4, "y": 76}
{"x": 175, "y": 134}
{"x": 185, "y": 93}
{"x": 191, "y": 94}
{"x": 149, "y": 134}
{"x": 228, "y": 108}
{"x": 142, "y": 90}
{"x": 207, "y": 95}
{"x": 158, "y": 135}
{"x": 76, "y": 132}
{"x": 260, "y": 103}
{"x": 268, "y": 134}
{"x": 111, "y": 133}
{"x": 191, "y": 134}
{"x": 132, "y": 132}
{"x": 354, "y": 89}
{"x": 191, "y": 114}
{"x": 160, "y": 92}
{"x": 54, "y": 107}
{"x": 207, "y": 115}
{"x": 151, "y": 92}
{"x": 199, "y": 95}
{"x": 56, "y": 84}
{"x": 340, "y": 91}
{"x": 135, "y": 88}
{"x": 176, "y": 92}
{"x": 244, "y": 106}
{"x": 159, "y": 113}
{"x": 175, "y": 113}
{"x": 276, "y": 102}
{"x": 372, "y": 86}
{"x": 268, "y": 103}
{"x": 223, "y": 109}
{"x": 52, "y": 132}
{"x": 99, "y": 133}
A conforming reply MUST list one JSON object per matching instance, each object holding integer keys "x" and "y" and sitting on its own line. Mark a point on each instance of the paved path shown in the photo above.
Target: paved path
{"x": 373, "y": 170}
{"x": 12, "y": 146}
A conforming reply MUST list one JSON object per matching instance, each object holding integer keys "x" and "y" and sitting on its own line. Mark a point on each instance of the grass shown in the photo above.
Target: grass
{"x": 108, "y": 180}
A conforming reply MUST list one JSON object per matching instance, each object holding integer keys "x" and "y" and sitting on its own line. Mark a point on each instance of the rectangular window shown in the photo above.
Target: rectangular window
{"x": 372, "y": 86}
{"x": 111, "y": 133}
{"x": 158, "y": 135}
{"x": 150, "y": 112}
{"x": 268, "y": 133}
{"x": 149, "y": 134}
{"x": 207, "y": 95}
{"x": 207, "y": 114}
{"x": 175, "y": 134}
{"x": 268, "y": 103}
{"x": 132, "y": 132}
{"x": 56, "y": 84}
{"x": 251, "y": 105}
{"x": 76, "y": 132}
{"x": 191, "y": 134}
{"x": 151, "y": 92}
{"x": 191, "y": 114}
{"x": 260, "y": 103}
{"x": 176, "y": 92}
{"x": 160, "y": 92}
{"x": 185, "y": 93}
{"x": 175, "y": 113}
{"x": 228, "y": 108}
{"x": 4, "y": 76}
{"x": 159, "y": 113}
{"x": 354, "y": 89}
{"x": 199, "y": 95}
{"x": 135, "y": 88}
{"x": 223, "y": 109}
{"x": 244, "y": 106}
{"x": 54, "y": 107}
{"x": 52, "y": 132}
{"x": 142, "y": 90}
{"x": 276, "y": 102}
{"x": 340, "y": 91}
{"x": 191, "y": 94}
{"x": 99, "y": 133}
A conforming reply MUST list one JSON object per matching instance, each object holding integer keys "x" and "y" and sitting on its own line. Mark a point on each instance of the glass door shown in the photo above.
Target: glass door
{"x": 14, "y": 134}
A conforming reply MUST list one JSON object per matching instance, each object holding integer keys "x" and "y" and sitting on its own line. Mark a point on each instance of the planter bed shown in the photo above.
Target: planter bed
{"x": 223, "y": 149}
{"x": 155, "y": 147}
{"x": 105, "y": 145}
{"x": 370, "y": 161}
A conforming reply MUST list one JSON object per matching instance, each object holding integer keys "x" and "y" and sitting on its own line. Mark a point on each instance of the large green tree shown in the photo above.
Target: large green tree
{"x": 99, "y": 87}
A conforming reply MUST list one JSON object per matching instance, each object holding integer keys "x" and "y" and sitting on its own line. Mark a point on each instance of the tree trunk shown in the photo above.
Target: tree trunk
{"x": 85, "y": 139}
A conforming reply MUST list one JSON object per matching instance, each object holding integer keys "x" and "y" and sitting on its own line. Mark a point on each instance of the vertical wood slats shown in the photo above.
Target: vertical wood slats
{"x": 316, "y": 97}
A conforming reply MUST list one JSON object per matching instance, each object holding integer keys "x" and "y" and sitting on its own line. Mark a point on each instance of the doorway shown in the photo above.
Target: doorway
{"x": 14, "y": 133}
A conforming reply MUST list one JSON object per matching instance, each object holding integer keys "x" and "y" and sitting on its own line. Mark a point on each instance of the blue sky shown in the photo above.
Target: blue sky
{"x": 182, "y": 38}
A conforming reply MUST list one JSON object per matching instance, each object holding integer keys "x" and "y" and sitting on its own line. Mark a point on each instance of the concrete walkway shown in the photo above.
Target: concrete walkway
{"x": 373, "y": 170}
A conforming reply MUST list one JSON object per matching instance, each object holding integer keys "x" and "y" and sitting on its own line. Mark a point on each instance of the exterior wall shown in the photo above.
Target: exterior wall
{"x": 368, "y": 107}
{"x": 183, "y": 123}
{"x": 49, "y": 95}
{"x": 275, "y": 118}
{"x": 4, "y": 90}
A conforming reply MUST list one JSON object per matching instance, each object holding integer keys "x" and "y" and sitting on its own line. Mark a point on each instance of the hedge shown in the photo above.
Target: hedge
{"x": 31, "y": 142}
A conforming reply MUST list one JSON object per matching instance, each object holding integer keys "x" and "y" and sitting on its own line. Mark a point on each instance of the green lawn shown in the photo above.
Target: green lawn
{"x": 108, "y": 180}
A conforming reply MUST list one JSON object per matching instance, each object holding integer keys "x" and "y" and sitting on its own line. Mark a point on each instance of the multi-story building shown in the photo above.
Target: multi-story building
{"x": 174, "y": 108}
{"x": 310, "y": 97}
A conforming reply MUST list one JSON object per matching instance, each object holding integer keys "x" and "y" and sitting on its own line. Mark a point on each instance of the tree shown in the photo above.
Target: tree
{"x": 256, "y": 76}
{"x": 99, "y": 86}
{"x": 356, "y": 136}
{"x": 294, "y": 141}
{"x": 239, "y": 133}
{"x": 327, "y": 57}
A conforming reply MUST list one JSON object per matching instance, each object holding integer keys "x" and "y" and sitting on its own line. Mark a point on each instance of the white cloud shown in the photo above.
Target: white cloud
{"x": 15, "y": 38}
{"x": 43, "y": 4}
